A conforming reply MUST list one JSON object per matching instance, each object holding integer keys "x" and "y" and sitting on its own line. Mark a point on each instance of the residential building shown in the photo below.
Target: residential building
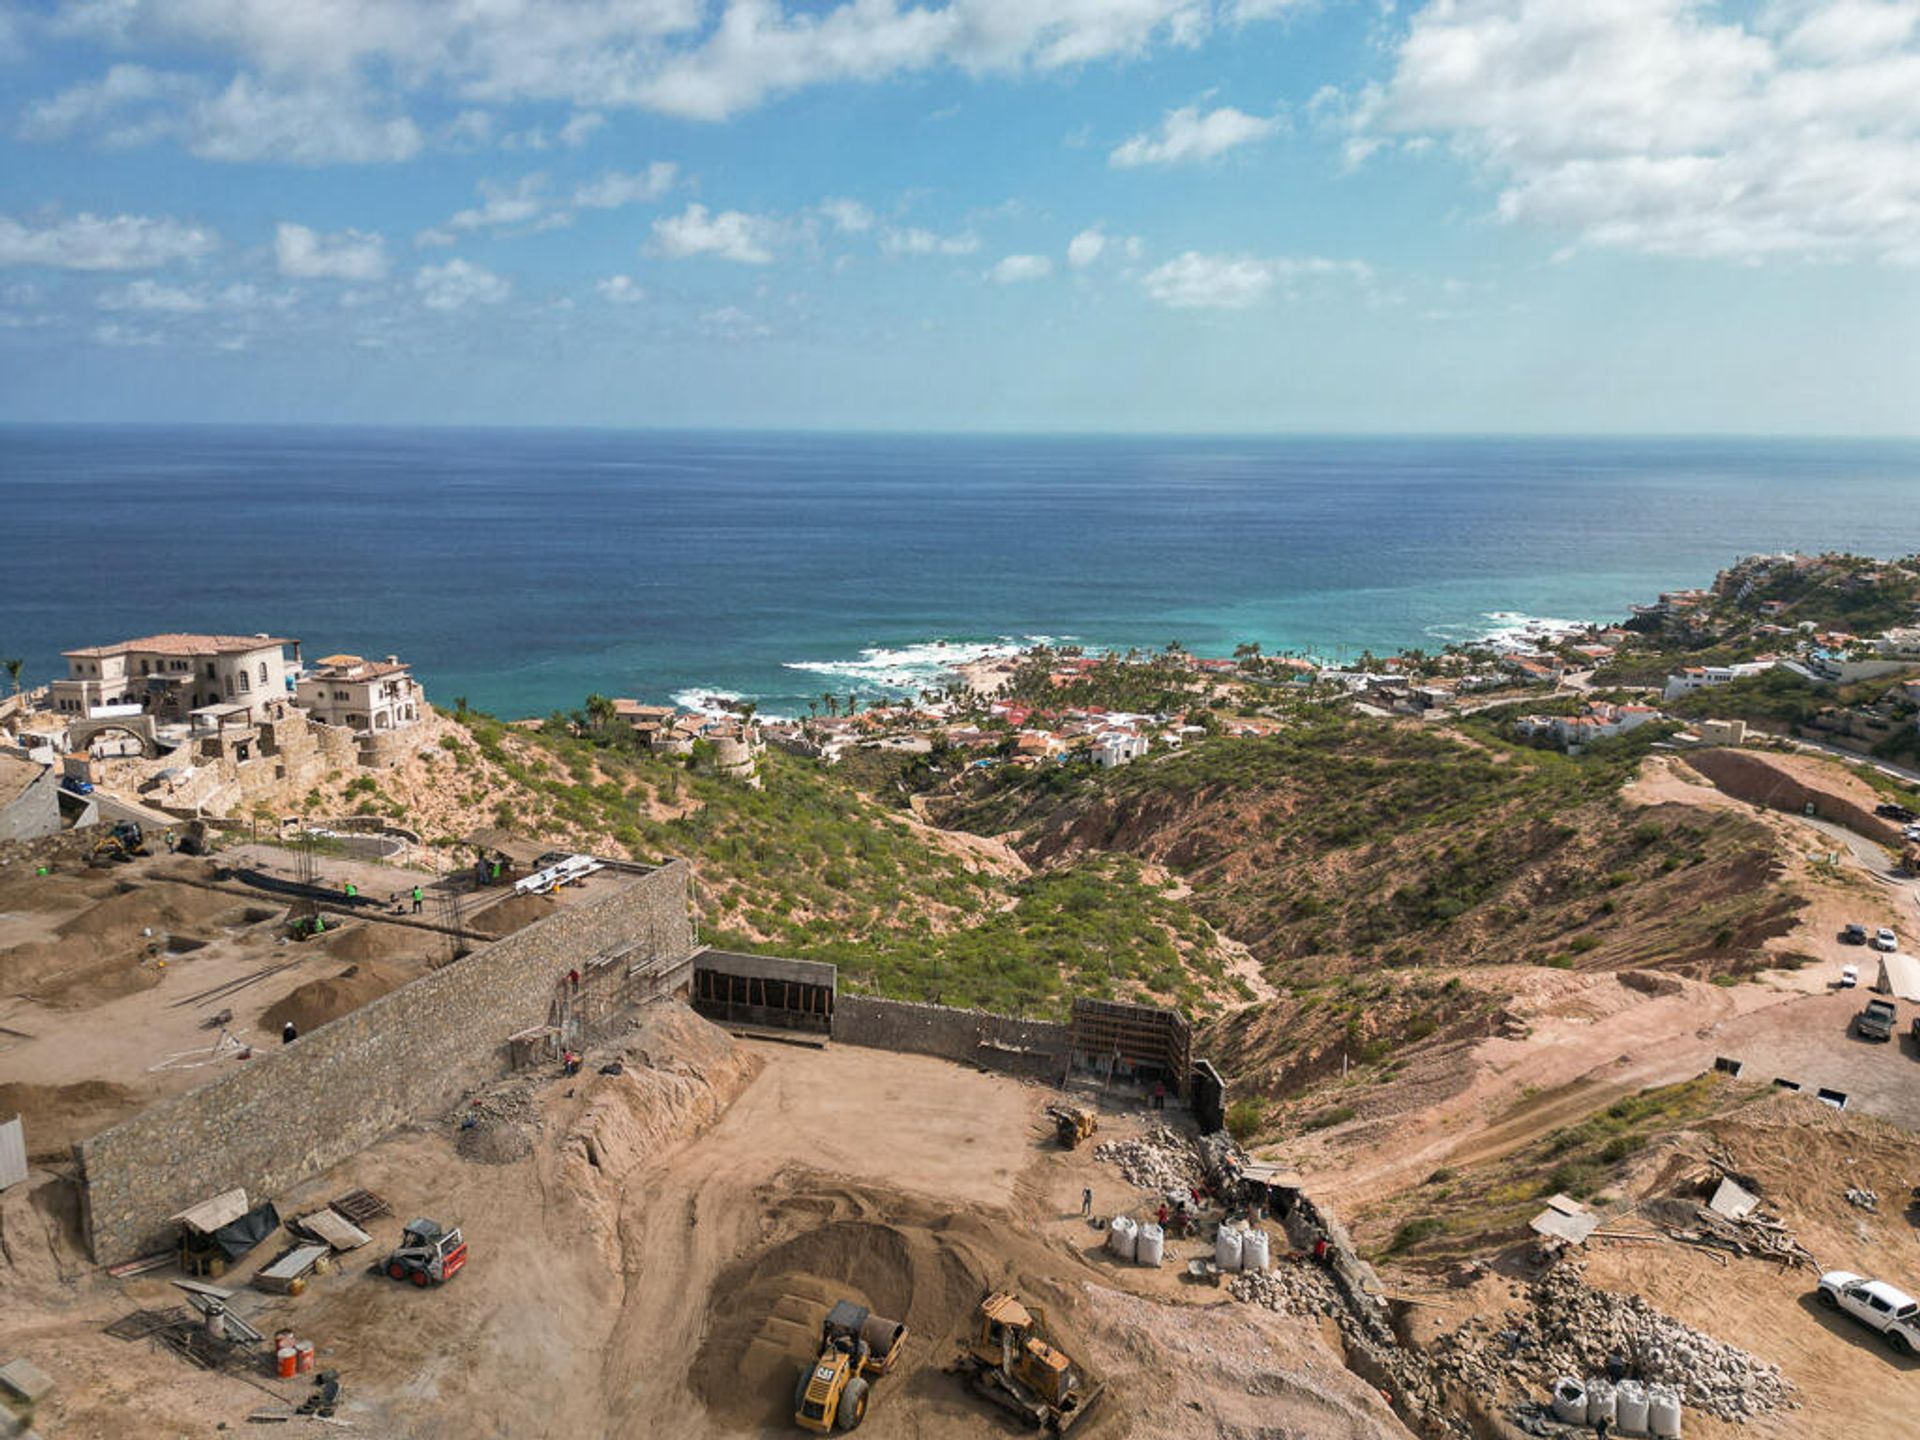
{"x": 1118, "y": 747}
{"x": 365, "y": 696}
{"x": 1699, "y": 677}
{"x": 170, "y": 676}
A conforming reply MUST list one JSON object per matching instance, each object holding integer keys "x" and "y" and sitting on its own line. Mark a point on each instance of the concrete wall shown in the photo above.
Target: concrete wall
{"x": 35, "y": 812}
{"x": 1036, "y": 1048}
{"x": 65, "y": 848}
{"x": 290, "y": 1113}
{"x": 1750, "y": 778}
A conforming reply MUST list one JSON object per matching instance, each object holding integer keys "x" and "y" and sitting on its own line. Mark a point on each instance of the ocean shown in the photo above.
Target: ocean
{"x": 524, "y": 569}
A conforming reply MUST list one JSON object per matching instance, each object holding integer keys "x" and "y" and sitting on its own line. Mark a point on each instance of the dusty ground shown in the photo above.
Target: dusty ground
{"x": 660, "y": 1261}
{"x": 99, "y": 970}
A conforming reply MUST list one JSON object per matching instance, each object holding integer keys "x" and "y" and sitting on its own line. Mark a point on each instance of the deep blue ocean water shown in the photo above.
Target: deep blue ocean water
{"x": 524, "y": 569}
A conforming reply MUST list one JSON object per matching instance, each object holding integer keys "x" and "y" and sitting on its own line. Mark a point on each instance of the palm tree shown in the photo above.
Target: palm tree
{"x": 13, "y": 668}
{"x": 831, "y": 701}
{"x": 600, "y": 711}
{"x": 813, "y": 709}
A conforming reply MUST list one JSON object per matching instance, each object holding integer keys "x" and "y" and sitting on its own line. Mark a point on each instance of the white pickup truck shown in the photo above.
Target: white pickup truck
{"x": 1875, "y": 1304}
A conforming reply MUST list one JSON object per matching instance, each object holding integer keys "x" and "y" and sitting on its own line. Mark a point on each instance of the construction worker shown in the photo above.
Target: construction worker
{"x": 419, "y": 898}
{"x": 170, "y": 842}
{"x": 1159, "y": 1095}
{"x": 288, "y": 1033}
{"x": 572, "y": 1066}
{"x": 352, "y": 890}
{"x": 1086, "y": 1201}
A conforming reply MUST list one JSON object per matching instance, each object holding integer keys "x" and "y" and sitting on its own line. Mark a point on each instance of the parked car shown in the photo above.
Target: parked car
{"x": 1854, "y": 935}
{"x": 1875, "y": 1304}
{"x": 1849, "y": 976}
{"x": 74, "y": 785}
{"x": 1885, "y": 939}
{"x": 1876, "y": 1022}
{"x": 1891, "y": 811}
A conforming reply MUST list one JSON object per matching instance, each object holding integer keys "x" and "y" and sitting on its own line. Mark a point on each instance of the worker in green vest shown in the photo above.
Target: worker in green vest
{"x": 419, "y": 898}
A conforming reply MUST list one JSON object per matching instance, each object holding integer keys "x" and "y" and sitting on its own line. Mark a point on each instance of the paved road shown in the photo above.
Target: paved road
{"x": 1854, "y": 757}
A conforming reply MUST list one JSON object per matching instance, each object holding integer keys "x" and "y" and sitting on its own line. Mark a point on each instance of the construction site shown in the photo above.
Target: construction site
{"x": 309, "y": 1138}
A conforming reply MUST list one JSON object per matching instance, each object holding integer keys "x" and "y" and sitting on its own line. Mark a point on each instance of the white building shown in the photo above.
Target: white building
{"x": 1118, "y": 747}
{"x": 170, "y": 676}
{"x": 367, "y": 697}
{"x": 1699, "y": 677}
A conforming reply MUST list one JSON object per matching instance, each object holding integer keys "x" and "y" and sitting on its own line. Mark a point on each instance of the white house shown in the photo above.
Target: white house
{"x": 170, "y": 676}
{"x": 366, "y": 697}
{"x": 1699, "y": 677}
{"x": 1118, "y": 747}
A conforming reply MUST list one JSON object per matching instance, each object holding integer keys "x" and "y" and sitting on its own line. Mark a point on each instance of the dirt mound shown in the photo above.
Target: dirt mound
{"x": 153, "y": 907}
{"x": 315, "y": 1003}
{"x": 22, "y": 889}
{"x": 503, "y": 917}
{"x": 903, "y": 1258}
{"x": 54, "y": 1116}
{"x": 67, "y": 976}
{"x": 364, "y": 941}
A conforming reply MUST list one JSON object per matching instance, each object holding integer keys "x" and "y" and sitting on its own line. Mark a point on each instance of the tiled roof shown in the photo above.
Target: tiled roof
{"x": 180, "y": 644}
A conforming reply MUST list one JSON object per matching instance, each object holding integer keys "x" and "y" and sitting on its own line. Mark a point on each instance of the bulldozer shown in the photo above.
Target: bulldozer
{"x": 1072, "y": 1124}
{"x": 832, "y": 1392}
{"x": 1011, "y": 1360}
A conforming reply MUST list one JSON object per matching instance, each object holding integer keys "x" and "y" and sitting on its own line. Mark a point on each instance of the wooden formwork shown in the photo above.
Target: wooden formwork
{"x": 1141, "y": 1040}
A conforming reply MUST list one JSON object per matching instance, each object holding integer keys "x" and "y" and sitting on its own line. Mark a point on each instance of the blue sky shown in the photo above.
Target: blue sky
{"x": 1173, "y": 215}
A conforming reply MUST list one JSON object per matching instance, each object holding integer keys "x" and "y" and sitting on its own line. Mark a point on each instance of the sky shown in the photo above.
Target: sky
{"x": 1576, "y": 216}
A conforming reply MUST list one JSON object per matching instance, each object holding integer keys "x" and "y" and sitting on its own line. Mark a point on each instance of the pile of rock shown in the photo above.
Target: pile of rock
{"x": 497, "y": 1127}
{"x": 1160, "y": 1159}
{"x": 1288, "y": 1289}
{"x": 1575, "y": 1329}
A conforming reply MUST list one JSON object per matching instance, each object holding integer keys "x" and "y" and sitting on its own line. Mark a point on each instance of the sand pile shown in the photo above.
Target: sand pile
{"x": 901, "y": 1257}
{"x": 152, "y": 907}
{"x": 362, "y": 941}
{"x": 315, "y": 1003}
{"x": 503, "y": 917}
{"x": 54, "y": 1116}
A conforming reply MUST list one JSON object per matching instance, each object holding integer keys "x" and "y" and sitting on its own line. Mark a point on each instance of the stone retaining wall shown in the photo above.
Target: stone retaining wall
{"x": 1034, "y": 1048}
{"x": 289, "y": 1113}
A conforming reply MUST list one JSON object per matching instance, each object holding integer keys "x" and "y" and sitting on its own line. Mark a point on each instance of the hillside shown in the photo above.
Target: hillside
{"x": 1345, "y": 845}
{"x": 809, "y": 865}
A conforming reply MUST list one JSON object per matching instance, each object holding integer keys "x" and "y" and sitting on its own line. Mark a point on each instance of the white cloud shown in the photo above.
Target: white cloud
{"x": 433, "y": 237}
{"x": 125, "y": 337}
{"x": 1195, "y": 281}
{"x": 730, "y": 322}
{"x": 1086, "y": 247}
{"x": 247, "y": 121}
{"x": 702, "y": 59}
{"x": 308, "y": 255}
{"x": 620, "y": 290}
{"x": 150, "y": 295}
{"x": 729, "y": 235}
{"x": 849, "y": 217}
{"x": 1018, "y": 268}
{"x": 100, "y": 242}
{"x": 915, "y": 241}
{"x": 522, "y": 201}
{"x": 457, "y": 284}
{"x": 1673, "y": 126}
{"x": 615, "y": 189}
{"x": 1186, "y": 137}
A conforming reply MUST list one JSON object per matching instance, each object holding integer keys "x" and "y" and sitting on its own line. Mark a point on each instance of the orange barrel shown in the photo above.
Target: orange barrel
{"x": 286, "y": 1360}
{"x": 304, "y": 1352}
{"x": 281, "y": 1339}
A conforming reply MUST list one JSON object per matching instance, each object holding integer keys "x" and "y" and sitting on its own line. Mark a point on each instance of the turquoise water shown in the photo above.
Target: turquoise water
{"x": 524, "y": 569}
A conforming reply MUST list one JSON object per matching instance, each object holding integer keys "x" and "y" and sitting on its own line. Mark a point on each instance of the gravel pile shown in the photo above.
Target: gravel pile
{"x": 496, "y": 1128}
{"x": 1160, "y": 1159}
{"x": 1575, "y": 1329}
{"x": 1289, "y": 1289}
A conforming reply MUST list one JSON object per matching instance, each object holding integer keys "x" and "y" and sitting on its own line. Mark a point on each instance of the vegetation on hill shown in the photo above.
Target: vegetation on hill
{"x": 810, "y": 865}
{"x": 1341, "y": 845}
